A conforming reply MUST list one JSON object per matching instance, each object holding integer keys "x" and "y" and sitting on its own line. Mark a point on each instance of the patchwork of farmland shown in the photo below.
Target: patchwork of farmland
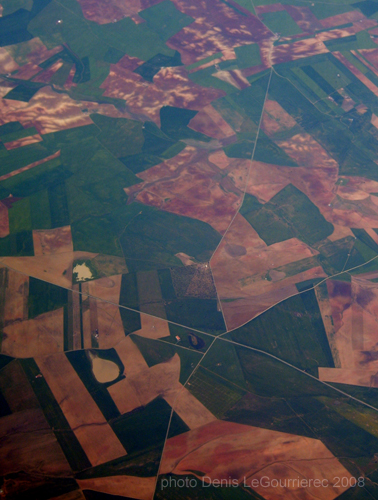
{"x": 188, "y": 249}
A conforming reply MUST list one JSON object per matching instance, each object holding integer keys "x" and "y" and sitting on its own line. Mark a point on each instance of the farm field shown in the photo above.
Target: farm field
{"x": 188, "y": 250}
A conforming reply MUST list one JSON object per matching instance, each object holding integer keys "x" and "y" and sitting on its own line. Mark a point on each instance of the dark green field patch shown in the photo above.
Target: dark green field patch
{"x": 17, "y": 245}
{"x": 290, "y": 212}
{"x": 268, "y": 152}
{"x": 248, "y": 55}
{"x": 155, "y": 352}
{"x": 58, "y": 205}
{"x": 24, "y": 91}
{"x": 35, "y": 180}
{"x": 153, "y": 238}
{"x": 129, "y": 298}
{"x": 214, "y": 392}
{"x": 251, "y": 99}
{"x": 45, "y": 297}
{"x": 21, "y": 157}
{"x": 11, "y": 128}
{"x": 281, "y": 22}
{"x": 146, "y": 428}
{"x": 165, "y": 19}
{"x": 13, "y": 28}
{"x": 174, "y": 123}
{"x": 155, "y": 140}
{"x": 95, "y": 234}
{"x": 269, "y": 226}
{"x": 19, "y": 134}
{"x": 298, "y": 335}
{"x": 361, "y": 40}
{"x": 121, "y": 136}
{"x": 323, "y": 84}
{"x": 151, "y": 67}
{"x": 19, "y": 216}
{"x": 223, "y": 361}
{"x": 136, "y": 40}
{"x": 201, "y": 314}
{"x": 204, "y": 78}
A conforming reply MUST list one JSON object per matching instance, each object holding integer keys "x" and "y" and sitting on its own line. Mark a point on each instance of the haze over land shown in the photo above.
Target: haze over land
{"x": 188, "y": 249}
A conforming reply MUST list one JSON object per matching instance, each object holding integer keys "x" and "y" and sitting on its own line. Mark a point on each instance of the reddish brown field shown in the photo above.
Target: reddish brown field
{"x": 4, "y": 221}
{"x": 217, "y": 27}
{"x": 16, "y": 297}
{"x": 275, "y": 118}
{"x": 304, "y": 18}
{"x": 222, "y": 450}
{"x": 16, "y": 388}
{"x": 297, "y": 50}
{"x": 131, "y": 357}
{"x": 34, "y": 337}
{"x": 55, "y": 268}
{"x": 371, "y": 55}
{"x": 171, "y": 87}
{"x": 153, "y": 328}
{"x": 89, "y": 425}
{"x": 145, "y": 385}
{"x": 141, "y": 488}
{"x": 340, "y": 19}
{"x": 362, "y": 60}
{"x": 29, "y": 445}
{"x": 307, "y": 152}
{"x": 45, "y": 76}
{"x": 105, "y": 316}
{"x": 27, "y": 71}
{"x": 240, "y": 265}
{"x": 47, "y": 111}
{"x": 209, "y": 122}
{"x": 48, "y": 241}
{"x": 354, "y": 313}
{"x": 110, "y": 11}
{"x": 188, "y": 408}
{"x": 275, "y": 7}
{"x": 343, "y": 32}
{"x": 188, "y": 185}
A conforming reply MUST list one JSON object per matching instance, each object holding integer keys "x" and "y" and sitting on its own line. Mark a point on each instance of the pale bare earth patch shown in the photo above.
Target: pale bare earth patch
{"x": 82, "y": 272}
{"x": 185, "y": 259}
{"x": 104, "y": 370}
{"x": 54, "y": 268}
